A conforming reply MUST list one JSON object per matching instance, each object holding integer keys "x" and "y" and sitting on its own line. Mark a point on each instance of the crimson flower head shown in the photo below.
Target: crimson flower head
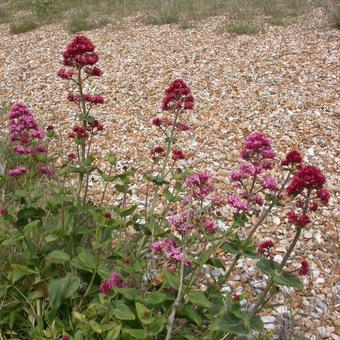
{"x": 265, "y": 246}
{"x": 65, "y": 337}
{"x": 94, "y": 99}
{"x": 3, "y": 212}
{"x": 236, "y": 298}
{"x": 80, "y": 52}
{"x": 324, "y": 195}
{"x": 20, "y": 170}
{"x": 178, "y": 154}
{"x": 293, "y": 157}
{"x": 65, "y": 74}
{"x": 157, "y": 152}
{"x": 304, "y": 270}
{"x": 307, "y": 177}
{"x": 93, "y": 71}
{"x": 108, "y": 215}
{"x": 178, "y": 96}
{"x": 300, "y": 220}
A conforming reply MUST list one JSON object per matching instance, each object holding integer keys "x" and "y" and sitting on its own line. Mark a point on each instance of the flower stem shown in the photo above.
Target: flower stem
{"x": 178, "y": 298}
{"x": 262, "y": 297}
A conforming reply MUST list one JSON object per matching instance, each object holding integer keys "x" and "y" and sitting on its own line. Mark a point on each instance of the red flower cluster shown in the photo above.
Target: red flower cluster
{"x": 265, "y": 246}
{"x": 293, "y": 157}
{"x": 157, "y": 152}
{"x": 307, "y": 177}
{"x": 93, "y": 71}
{"x": 80, "y": 52}
{"x": 65, "y": 74}
{"x": 79, "y": 133}
{"x": 3, "y": 212}
{"x": 94, "y": 99}
{"x": 95, "y": 126}
{"x": 300, "y": 220}
{"x": 304, "y": 270}
{"x": 178, "y": 96}
{"x": 323, "y": 195}
{"x": 178, "y": 154}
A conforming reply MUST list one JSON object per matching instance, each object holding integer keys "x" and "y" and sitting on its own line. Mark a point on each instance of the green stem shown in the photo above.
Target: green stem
{"x": 262, "y": 297}
{"x": 178, "y": 298}
{"x": 88, "y": 289}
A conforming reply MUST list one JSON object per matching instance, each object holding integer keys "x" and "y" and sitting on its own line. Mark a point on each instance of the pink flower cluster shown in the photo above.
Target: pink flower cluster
{"x": 200, "y": 185}
{"x": 115, "y": 281}
{"x": 25, "y": 132}
{"x": 172, "y": 253}
{"x": 258, "y": 150}
{"x": 257, "y": 155}
{"x": 180, "y": 223}
{"x": 178, "y": 96}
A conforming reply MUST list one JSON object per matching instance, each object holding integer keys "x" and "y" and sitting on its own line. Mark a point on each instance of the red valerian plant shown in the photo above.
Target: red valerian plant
{"x": 80, "y": 59}
{"x": 26, "y": 138}
{"x": 157, "y": 266}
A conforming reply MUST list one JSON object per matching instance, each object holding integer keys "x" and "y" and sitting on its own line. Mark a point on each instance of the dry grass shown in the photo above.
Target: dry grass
{"x": 243, "y": 16}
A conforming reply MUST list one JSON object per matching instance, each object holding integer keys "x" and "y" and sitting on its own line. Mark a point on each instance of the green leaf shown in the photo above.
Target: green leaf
{"x": 216, "y": 263}
{"x": 273, "y": 199}
{"x": 56, "y": 256}
{"x": 239, "y": 219}
{"x": 111, "y": 158}
{"x": 157, "y": 326}
{"x": 170, "y": 197}
{"x": 155, "y": 298}
{"x": 129, "y": 293}
{"x": 230, "y": 323}
{"x": 156, "y": 180}
{"x": 122, "y": 188}
{"x": 17, "y": 236}
{"x": 144, "y": 314}
{"x": 205, "y": 257}
{"x": 85, "y": 260}
{"x": 123, "y": 312}
{"x": 135, "y": 333}
{"x": 191, "y": 314}
{"x": 267, "y": 266}
{"x": 171, "y": 279}
{"x": 62, "y": 289}
{"x": 199, "y": 299}
{"x": 288, "y": 279}
{"x": 19, "y": 271}
{"x": 128, "y": 211}
{"x": 256, "y": 324}
{"x": 114, "y": 333}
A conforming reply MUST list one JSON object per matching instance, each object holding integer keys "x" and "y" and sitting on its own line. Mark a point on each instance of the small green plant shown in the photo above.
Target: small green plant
{"x": 333, "y": 10}
{"x": 24, "y": 24}
{"x": 81, "y": 21}
{"x": 243, "y": 27}
{"x": 166, "y": 12}
{"x": 4, "y": 15}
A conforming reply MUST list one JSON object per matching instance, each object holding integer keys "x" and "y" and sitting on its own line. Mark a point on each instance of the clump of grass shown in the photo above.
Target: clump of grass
{"x": 333, "y": 10}
{"x": 167, "y": 12}
{"x": 83, "y": 22}
{"x": 4, "y": 15}
{"x": 23, "y": 25}
{"x": 243, "y": 27}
